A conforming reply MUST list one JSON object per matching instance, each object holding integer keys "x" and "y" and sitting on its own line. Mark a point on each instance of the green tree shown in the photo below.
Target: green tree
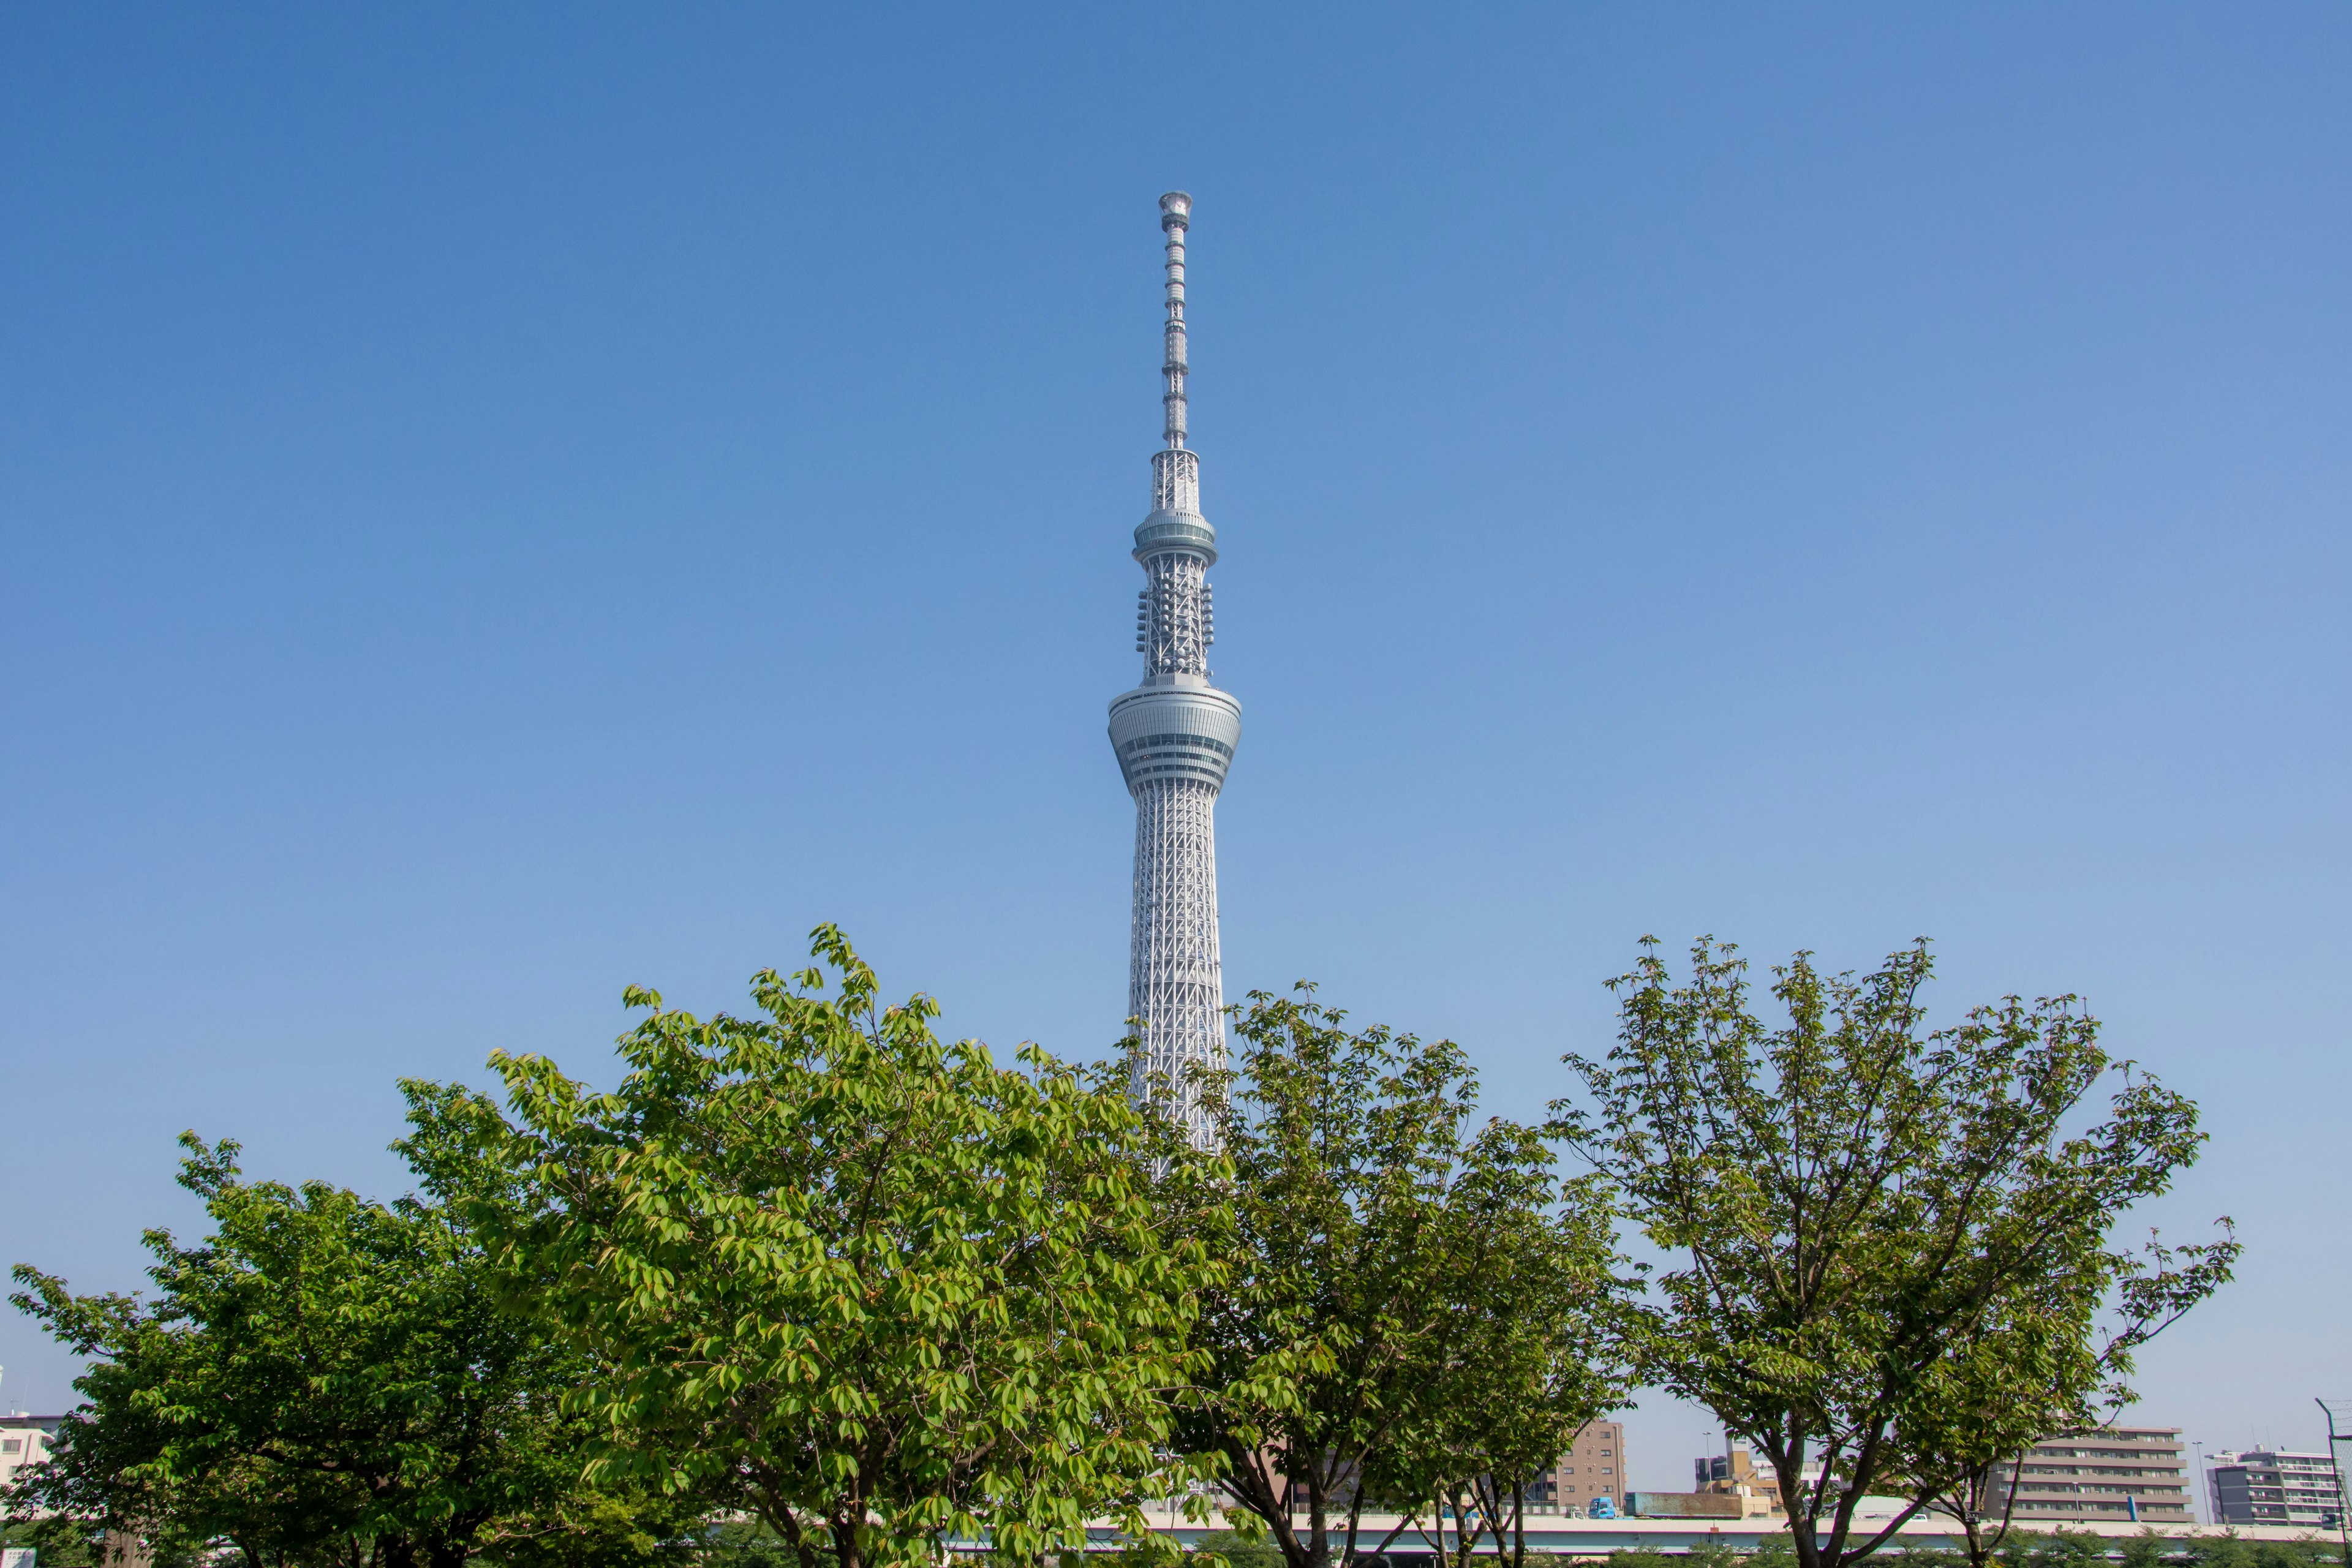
{"x": 1239, "y": 1551}
{"x": 2230, "y": 1550}
{"x": 2227, "y": 1550}
{"x": 1640, "y": 1557}
{"x": 1852, "y": 1196}
{"x": 881, "y": 1291}
{"x": 1529, "y": 1361}
{"x": 104, "y": 1475}
{"x": 2045, "y": 1359}
{"x": 2304, "y": 1551}
{"x": 2056, "y": 1548}
{"x": 64, "y": 1540}
{"x": 1379, "y": 1245}
{"x": 323, "y": 1378}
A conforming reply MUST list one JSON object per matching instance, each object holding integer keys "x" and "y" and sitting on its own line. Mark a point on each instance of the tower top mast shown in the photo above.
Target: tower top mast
{"x": 1175, "y": 218}
{"x": 1175, "y": 522}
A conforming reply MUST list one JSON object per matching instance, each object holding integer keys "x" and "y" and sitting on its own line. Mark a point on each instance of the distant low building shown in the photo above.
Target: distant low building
{"x": 24, "y": 1441}
{"x": 2118, "y": 1474}
{"x": 2271, "y": 1486}
{"x": 1685, "y": 1505}
{"x": 1733, "y": 1474}
{"x": 1591, "y": 1473}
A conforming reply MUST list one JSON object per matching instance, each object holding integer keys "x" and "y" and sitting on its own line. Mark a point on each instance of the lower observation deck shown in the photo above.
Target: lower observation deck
{"x": 1177, "y": 728}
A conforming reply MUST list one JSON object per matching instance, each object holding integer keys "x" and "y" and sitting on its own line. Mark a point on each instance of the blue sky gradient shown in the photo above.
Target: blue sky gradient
{"x": 502, "y": 503}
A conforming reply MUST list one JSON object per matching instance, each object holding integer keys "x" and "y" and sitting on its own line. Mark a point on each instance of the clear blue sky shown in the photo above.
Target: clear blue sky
{"x": 504, "y": 502}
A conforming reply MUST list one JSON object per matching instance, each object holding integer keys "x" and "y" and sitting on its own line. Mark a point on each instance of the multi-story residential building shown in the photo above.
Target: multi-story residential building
{"x": 24, "y": 1441}
{"x": 2117, "y": 1473}
{"x": 2271, "y": 1486}
{"x": 1592, "y": 1472}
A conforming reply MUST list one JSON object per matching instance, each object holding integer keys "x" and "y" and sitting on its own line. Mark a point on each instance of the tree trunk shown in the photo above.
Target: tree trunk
{"x": 1457, "y": 1501}
{"x": 1318, "y": 1516}
{"x": 1974, "y": 1531}
{"x": 847, "y": 1550}
{"x": 787, "y": 1523}
{"x": 1256, "y": 1487}
{"x": 1356, "y": 1517}
{"x": 1805, "y": 1534}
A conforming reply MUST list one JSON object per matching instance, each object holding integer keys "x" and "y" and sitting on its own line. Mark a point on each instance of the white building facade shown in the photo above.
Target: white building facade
{"x": 2272, "y": 1486}
{"x": 26, "y": 1440}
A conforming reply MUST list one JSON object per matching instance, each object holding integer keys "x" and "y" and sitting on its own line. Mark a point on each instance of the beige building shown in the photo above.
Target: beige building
{"x": 1592, "y": 1471}
{"x": 2116, "y": 1475}
{"x": 1734, "y": 1474}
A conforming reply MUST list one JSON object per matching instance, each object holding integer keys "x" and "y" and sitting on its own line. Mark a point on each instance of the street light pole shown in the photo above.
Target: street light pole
{"x": 2335, "y": 1470}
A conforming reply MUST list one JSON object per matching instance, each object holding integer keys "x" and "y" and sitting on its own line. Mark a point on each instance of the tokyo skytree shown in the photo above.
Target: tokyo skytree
{"x": 1174, "y": 735}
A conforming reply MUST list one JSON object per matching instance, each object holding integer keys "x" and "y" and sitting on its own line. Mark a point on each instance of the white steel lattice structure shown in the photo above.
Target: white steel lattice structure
{"x": 1175, "y": 736}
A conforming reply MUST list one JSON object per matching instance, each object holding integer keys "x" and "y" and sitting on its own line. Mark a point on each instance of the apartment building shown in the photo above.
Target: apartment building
{"x": 2271, "y": 1486}
{"x": 1592, "y": 1472}
{"x": 24, "y": 1441}
{"x": 2117, "y": 1473}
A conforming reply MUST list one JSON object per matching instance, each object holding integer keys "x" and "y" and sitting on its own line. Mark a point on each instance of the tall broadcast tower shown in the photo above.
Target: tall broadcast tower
{"x": 1175, "y": 735}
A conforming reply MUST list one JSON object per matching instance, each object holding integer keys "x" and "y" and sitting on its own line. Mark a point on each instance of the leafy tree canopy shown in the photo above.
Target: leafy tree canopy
{"x": 1414, "y": 1300}
{"x": 1853, "y": 1196}
{"x": 882, "y": 1291}
{"x": 329, "y": 1379}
